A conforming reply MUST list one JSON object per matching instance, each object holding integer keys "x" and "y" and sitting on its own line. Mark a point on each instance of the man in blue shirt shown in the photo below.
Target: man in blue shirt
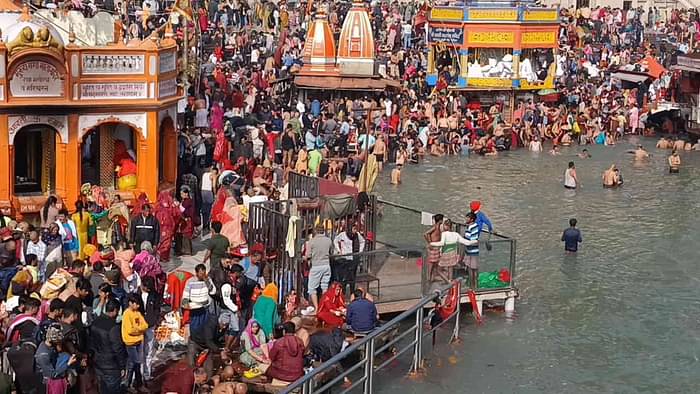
{"x": 571, "y": 237}
{"x": 481, "y": 218}
{"x": 361, "y": 314}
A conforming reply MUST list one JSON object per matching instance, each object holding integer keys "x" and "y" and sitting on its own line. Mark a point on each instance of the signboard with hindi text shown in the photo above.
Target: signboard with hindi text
{"x": 493, "y": 14}
{"x": 113, "y": 91}
{"x": 453, "y": 35}
{"x": 35, "y": 78}
{"x": 446, "y": 14}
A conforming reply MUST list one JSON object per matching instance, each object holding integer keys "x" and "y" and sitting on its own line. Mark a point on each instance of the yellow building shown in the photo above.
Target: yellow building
{"x": 492, "y": 49}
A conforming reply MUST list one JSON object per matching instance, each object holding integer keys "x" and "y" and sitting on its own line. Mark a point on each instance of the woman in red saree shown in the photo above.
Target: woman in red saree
{"x": 331, "y": 307}
{"x": 185, "y": 230}
{"x": 138, "y": 205}
{"x": 168, "y": 215}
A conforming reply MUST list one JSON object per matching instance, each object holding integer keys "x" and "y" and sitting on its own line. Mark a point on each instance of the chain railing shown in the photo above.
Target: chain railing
{"x": 387, "y": 339}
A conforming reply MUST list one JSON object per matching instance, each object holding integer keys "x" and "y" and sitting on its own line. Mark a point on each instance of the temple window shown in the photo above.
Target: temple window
{"x": 35, "y": 160}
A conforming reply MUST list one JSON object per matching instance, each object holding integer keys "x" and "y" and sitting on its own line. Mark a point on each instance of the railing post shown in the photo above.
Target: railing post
{"x": 418, "y": 350}
{"x": 306, "y": 387}
{"x": 513, "y": 245}
{"x": 458, "y": 315}
{"x": 369, "y": 365}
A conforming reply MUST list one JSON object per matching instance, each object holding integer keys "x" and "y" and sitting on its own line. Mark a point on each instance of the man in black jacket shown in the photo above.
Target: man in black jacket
{"x": 108, "y": 350}
{"x": 144, "y": 227}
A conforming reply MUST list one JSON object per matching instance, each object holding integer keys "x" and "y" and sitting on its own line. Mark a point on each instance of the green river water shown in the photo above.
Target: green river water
{"x": 620, "y": 317}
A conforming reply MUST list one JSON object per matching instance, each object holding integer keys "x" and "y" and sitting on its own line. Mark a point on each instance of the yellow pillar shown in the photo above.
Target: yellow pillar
{"x": 61, "y": 169}
{"x": 431, "y": 59}
{"x": 71, "y": 165}
{"x": 463, "y": 59}
{"x": 147, "y": 158}
{"x": 516, "y": 65}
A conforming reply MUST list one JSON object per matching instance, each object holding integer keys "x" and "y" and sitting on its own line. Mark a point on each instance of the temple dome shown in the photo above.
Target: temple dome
{"x": 319, "y": 48}
{"x": 356, "y": 44}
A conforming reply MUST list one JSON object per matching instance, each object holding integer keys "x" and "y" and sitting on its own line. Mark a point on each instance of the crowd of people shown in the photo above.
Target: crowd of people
{"x": 86, "y": 292}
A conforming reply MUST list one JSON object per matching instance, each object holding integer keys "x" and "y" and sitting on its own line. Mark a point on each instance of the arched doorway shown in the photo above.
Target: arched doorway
{"x": 167, "y": 152}
{"x": 35, "y": 160}
{"x": 104, "y": 148}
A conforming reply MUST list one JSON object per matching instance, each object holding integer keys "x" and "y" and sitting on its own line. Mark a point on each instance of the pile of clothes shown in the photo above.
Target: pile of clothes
{"x": 494, "y": 68}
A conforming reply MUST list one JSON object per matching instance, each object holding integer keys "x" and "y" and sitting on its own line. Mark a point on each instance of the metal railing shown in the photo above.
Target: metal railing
{"x": 387, "y": 338}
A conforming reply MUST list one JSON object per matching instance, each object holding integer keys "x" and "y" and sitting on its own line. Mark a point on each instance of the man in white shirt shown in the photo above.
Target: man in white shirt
{"x": 347, "y": 245}
{"x": 406, "y": 32}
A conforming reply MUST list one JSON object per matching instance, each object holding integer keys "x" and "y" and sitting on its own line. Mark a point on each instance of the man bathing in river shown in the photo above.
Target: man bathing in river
{"x": 610, "y": 177}
{"x": 571, "y": 237}
{"x": 640, "y": 153}
{"x": 674, "y": 163}
{"x": 570, "y": 179}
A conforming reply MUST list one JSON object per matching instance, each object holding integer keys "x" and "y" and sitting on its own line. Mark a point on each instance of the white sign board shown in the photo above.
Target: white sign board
{"x": 35, "y": 78}
{"x": 111, "y": 91}
{"x": 58, "y": 122}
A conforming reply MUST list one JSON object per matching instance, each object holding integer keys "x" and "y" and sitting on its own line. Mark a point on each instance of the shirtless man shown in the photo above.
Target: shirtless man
{"x": 380, "y": 151}
{"x": 674, "y": 163}
{"x": 662, "y": 144}
{"x": 609, "y": 177}
{"x": 678, "y": 145}
{"x": 535, "y": 145}
{"x": 584, "y": 154}
{"x": 396, "y": 175}
{"x": 640, "y": 153}
{"x": 433, "y": 235}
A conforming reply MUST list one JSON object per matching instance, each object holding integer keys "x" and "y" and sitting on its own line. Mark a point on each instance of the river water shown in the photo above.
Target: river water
{"x": 620, "y": 317}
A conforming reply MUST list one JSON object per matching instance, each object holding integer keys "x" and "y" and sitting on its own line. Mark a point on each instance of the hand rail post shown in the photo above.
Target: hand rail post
{"x": 458, "y": 315}
{"x": 306, "y": 389}
{"x": 369, "y": 365}
{"x": 418, "y": 351}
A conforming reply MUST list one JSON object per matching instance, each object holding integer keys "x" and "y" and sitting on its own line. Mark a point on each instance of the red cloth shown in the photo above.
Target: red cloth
{"x": 138, "y": 205}
{"x": 218, "y": 207}
{"x": 168, "y": 215}
{"x": 187, "y": 221}
{"x": 179, "y": 378}
{"x": 176, "y": 286}
{"x": 330, "y": 301}
{"x": 123, "y": 159}
{"x": 271, "y": 138}
{"x": 237, "y": 99}
{"x": 203, "y": 20}
{"x": 221, "y": 148}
